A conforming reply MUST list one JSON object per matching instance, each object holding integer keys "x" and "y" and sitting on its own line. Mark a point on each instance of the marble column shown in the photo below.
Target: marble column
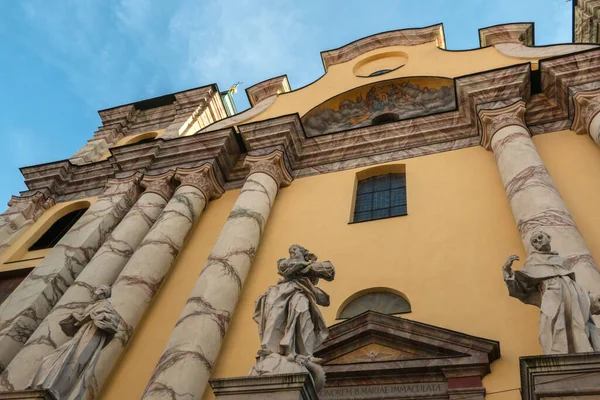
{"x": 142, "y": 275}
{"x": 33, "y": 299}
{"x": 103, "y": 269}
{"x": 186, "y": 363}
{"x": 534, "y": 199}
{"x": 587, "y": 114}
{"x": 22, "y": 213}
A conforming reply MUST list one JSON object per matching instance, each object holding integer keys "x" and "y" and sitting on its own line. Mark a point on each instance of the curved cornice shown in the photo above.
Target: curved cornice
{"x": 400, "y": 37}
{"x": 517, "y": 32}
{"x": 549, "y": 111}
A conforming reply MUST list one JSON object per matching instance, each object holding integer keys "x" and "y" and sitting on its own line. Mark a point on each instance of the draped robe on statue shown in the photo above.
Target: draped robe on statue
{"x": 289, "y": 321}
{"x": 69, "y": 365}
{"x": 566, "y": 324}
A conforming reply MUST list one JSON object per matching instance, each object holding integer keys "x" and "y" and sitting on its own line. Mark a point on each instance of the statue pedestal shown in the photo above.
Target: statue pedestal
{"x": 270, "y": 387}
{"x": 565, "y": 376}
{"x": 28, "y": 395}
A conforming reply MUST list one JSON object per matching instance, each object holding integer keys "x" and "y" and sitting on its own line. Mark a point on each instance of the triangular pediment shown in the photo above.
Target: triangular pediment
{"x": 373, "y": 343}
{"x": 375, "y": 352}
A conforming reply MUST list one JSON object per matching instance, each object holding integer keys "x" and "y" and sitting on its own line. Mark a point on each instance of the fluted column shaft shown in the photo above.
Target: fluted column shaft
{"x": 186, "y": 363}
{"x": 33, "y": 299}
{"x": 534, "y": 199}
{"x": 142, "y": 275}
{"x": 587, "y": 114}
{"x": 102, "y": 269}
{"x": 23, "y": 212}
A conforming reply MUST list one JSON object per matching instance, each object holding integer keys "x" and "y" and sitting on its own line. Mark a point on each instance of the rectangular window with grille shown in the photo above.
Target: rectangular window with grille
{"x": 379, "y": 197}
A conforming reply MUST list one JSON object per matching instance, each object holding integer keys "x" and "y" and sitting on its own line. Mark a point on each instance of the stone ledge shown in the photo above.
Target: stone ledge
{"x": 28, "y": 395}
{"x": 560, "y": 376}
{"x": 280, "y": 387}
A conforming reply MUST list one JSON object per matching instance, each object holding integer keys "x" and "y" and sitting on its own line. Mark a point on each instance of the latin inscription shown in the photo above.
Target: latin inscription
{"x": 383, "y": 391}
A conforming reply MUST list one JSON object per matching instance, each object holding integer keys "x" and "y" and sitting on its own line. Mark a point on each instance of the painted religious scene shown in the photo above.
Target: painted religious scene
{"x": 380, "y": 102}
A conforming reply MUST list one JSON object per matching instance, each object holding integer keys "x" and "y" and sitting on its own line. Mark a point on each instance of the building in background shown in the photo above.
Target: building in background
{"x": 416, "y": 170}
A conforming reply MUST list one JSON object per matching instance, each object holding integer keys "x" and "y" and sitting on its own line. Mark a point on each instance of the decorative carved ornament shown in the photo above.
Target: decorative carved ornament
{"x": 587, "y": 106}
{"x": 495, "y": 119}
{"x": 272, "y": 165}
{"x": 202, "y": 178}
{"x": 373, "y": 352}
{"x": 117, "y": 186}
{"x": 32, "y": 207}
{"x": 161, "y": 185}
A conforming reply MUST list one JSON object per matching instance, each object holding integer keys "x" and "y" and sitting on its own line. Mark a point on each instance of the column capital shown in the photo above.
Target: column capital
{"x": 587, "y": 106}
{"x": 492, "y": 120}
{"x": 161, "y": 185}
{"x": 119, "y": 186}
{"x": 202, "y": 178}
{"x": 271, "y": 164}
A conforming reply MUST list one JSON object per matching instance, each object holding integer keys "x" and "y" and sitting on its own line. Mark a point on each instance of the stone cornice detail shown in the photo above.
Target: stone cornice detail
{"x": 161, "y": 185}
{"x": 67, "y": 181}
{"x": 117, "y": 186}
{"x": 202, "y": 178}
{"x": 492, "y": 120}
{"x": 31, "y": 207}
{"x": 587, "y": 106}
{"x": 586, "y": 21}
{"x": 401, "y": 37}
{"x": 521, "y": 32}
{"x": 130, "y": 119}
{"x": 549, "y": 111}
{"x": 265, "y": 89}
{"x": 271, "y": 164}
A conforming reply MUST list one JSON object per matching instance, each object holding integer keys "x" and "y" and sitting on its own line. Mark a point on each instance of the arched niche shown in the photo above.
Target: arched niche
{"x": 383, "y": 300}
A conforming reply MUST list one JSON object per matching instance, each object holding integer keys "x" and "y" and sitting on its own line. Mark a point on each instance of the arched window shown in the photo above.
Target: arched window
{"x": 380, "y": 196}
{"x": 57, "y": 230}
{"x": 381, "y": 300}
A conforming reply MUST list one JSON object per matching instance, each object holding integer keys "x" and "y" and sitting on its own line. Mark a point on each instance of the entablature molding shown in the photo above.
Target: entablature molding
{"x": 548, "y": 111}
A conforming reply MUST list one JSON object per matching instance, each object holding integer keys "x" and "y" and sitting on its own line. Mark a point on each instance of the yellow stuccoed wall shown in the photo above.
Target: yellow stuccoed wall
{"x": 446, "y": 256}
{"x": 423, "y": 60}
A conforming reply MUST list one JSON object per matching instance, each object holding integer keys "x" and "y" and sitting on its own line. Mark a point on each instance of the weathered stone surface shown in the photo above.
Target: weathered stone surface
{"x": 404, "y": 353}
{"x": 102, "y": 269}
{"x": 587, "y": 114}
{"x": 142, "y": 276}
{"x": 535, "y": 201}
{"x": 290, "y": 324}
{"x": 73, "y": 363}
{"x": 567, "y": 376}
{"x": 274, "y": 387}
{"x": 566, "y": 324}
{"x": 27, "y": 395}
{"x": 31, "y": 302}
{"x": 194, "y": 344}
{"x": 22, "y": 213}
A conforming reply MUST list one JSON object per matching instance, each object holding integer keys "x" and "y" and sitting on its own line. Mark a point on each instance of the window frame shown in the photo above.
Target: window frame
{"x": 389, "y": 190}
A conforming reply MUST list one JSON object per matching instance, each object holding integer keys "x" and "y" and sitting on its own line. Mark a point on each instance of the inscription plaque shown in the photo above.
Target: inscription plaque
{"x": 393, "y": 391}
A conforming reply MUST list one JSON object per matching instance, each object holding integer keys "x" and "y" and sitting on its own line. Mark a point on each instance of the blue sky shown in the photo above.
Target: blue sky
{"x": 62, "y": 61}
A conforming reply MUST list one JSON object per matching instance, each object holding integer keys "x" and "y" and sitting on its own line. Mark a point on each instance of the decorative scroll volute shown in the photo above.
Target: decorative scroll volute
{"x": 272, "y": 164}
{"x": 202, "y": 178}
{"x": 587, "y": 106}
{"x": 495, "y": 119}
{"x": 119, "y": 186}
{"x": 162, "y": 185}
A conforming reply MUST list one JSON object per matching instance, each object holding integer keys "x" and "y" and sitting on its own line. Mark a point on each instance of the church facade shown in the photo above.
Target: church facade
{"x": 132, "y": 269}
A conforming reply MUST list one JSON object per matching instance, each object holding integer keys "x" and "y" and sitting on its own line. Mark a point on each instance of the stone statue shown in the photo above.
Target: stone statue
{"x": 72, "y": 362}
{"x": 290, "y": 324}
{"x": 566, "y": 324}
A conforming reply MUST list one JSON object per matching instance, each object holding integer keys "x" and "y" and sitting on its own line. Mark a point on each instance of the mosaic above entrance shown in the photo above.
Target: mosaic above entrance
{"x": 381, "y": 102}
